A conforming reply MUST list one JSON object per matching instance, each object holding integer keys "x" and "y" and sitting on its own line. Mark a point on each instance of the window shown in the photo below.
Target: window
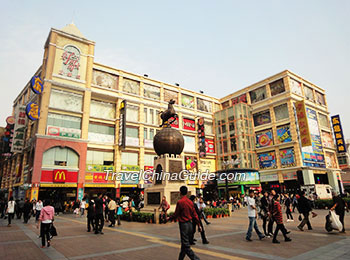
{"x": 233, "y": 143}
{"x": 225, "y": 104}
{"x": 152, "y": 92}
{"x": 208, "y": 128}
{"x": 63, "y": 126}
{"x": 131, "y": 86}
{"x": 149, "y": 159}
{"x": 190, "y": 144}
{"x": 66, "y": 100}
{"x": 295, "y": 87}
{"x": 132, "y": 136}
{"x": 187, "y": 101}
{"x": 262, "y": 118}
{"x": 323, "y": 120}
{"x": 281, "y": 112}
{"x": 104, "y": 79}
{"x": 309, "y": 94}
{"x": 258, "y": 94}
{"x": 102, "y": 109}
{"x": 99, "y": 158}
{"x": 101, "y": 133}
{"x": 151, "y": 116}
{"x": 204, "y": 105}
{"x": 277, "y": 87}
{"x": 320, "y": 98}
{"x": 132, "y": 113}
{"x": 58, "y": 156}
{"x": 130, "y": 158}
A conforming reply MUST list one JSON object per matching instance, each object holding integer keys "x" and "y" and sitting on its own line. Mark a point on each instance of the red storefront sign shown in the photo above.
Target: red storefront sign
{"x": 240, "y": 99}
{"x": 189, "y": 124}
{"x": 99, "y": 177}
{"x": 58, "y": 176}
{"x": 209, "y": 145}
{"x": 175, "y": 124}
{"x": 148, "y": 168}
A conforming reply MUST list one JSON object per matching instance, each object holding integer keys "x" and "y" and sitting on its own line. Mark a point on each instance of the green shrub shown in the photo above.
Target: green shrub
{"x": 323, "y": 204}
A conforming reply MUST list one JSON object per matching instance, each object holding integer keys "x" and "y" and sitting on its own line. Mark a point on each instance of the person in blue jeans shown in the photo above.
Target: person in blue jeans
{"x": 252, "y": 218}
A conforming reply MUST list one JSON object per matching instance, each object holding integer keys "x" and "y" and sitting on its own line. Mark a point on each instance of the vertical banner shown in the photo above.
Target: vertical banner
{"x": 122, "y": 124}
{"x": 80, "y": 193}
{"x": 303, "y": 123}
{"x": 19, "y": 129}
{"x": 201, "y": 138}
{"x": 338, "y": 134}
{"x": 34, "y": 193}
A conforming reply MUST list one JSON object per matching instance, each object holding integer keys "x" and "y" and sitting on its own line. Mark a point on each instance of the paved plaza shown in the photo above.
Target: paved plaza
{"x": 150, "y": 241}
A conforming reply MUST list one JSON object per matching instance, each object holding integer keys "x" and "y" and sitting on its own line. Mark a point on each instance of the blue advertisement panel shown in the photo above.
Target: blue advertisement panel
{"x": 283, "y": 134}
{"x": 287, "y": 157}
{"x": 267, "y": 160}
{"x": 338, "y": 134}
{"x": 313, "y": 155}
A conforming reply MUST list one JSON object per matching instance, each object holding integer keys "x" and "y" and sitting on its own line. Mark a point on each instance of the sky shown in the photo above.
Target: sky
{"x": 218, "y": 47}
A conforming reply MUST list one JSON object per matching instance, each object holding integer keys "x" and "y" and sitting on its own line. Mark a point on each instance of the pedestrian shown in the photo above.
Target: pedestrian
{"x": 277, "y": 215}
{"x": 165, "y": 206}
{"x": 20, "y": 206}
{"x": 271, "y": 219}
{"x": 252, "y": 218}
{"x": 112, "y": 210}
{"x": 264, "y": 211}
{"x": 194, "y": 224}
{"x": 295, "y": 201}
{"x": 304, "y": 208}
{"x": 185, "y": 214}
{"x": 46, "y": 219}
{"x": 287, "y": 204}
{"x": 27, "y": 209}
{"x": 339, "y": 207}
{"x": 2, "y": 207}
{"x": 99, "y": 219}
{"x": 105, "y": 206}
{"x": 38, "y": 208}
{"x": 11, "y": 204}
{"x": 82, "y": 207}
{"x": 119, "y": 211}
{"x": 201, "y": 206}
{"x": 91, "y": 216}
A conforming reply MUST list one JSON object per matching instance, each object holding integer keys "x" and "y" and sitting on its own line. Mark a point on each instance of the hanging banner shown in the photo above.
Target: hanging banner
{"x": 122, "y": 124}
{"x": 189, "y": 124}
{"x": 201, "y": 138}
{"x": 37, "y": 85}
{"x": 303, "y": 123}
{"x": 338, "y": 134}
{"x": 19, "y": 129}
{"x": 209, "y": 146}
{"x": 32, "y": 111}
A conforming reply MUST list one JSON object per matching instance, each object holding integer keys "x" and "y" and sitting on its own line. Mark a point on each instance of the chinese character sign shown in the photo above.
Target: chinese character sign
{"x": 19, "y": 129}
{"x": 33, "y": 111}
{"x": 338, "y": 134}
{"x": 303, "y": 124}
{"x": 37, "y": 85}
{"x": 70, "y": 62}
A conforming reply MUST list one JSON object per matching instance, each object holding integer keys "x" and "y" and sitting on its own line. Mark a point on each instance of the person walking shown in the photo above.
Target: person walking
{"x": 112, "y": 210}
{"x": 201, "y": 206}
{"x": 91, "y": 216}
{"x": 46, "y": 219}
{"x": 339, "y": 207}
{"x": 99, "y": 219}
{"x": 204, "y": 239}
{"x": 2, "y": 207}
{"x": 288, "y": 203}
{"x": 277, "y": 214}
{"x": 82, "y": 207}
{"x": 38, "y": 207}
{"x": 304, "y": 208}
{"x": 119, "y": 211}
{"x": 270, "y": 215}
{"x": 20, "y": 206}
{"x": 11, "y": 204}
{"x": 185, "y": 214}
{"x": 295, "y": 202}
{"x": 27, "y": 209}
{"x": 264, "y": 211}
{"x": 252, "y": 218}
{"x": 165, "y": 206}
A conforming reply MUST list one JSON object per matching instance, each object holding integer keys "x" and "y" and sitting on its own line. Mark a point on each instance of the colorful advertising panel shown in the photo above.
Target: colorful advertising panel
{"x": 338, "y": 134}
{"x": 127, "y": 174}
{"x": 267, "y": 160}
{"x": 209, "y": 146}
{"x": 175, "y": 124}
{"x": 189, "y": 124}
{"x": 287, "y": 176}
{"x": 242, "y": 178}
{"x": 187, "y": 101}
{"x": 287, "y": 158}
{"x": 283, "y": 134}
{"x": 204, "y": 105}
{"x": 262, "y": 118}
{"x": 201, "y": 138}
{"x": 19, "y": 129}
{"x": 264, "y": 139}
{"x": 148, "y": 176}
{"x": 327, "y": 139}
{"x": 63, "y": 132}
{"x": 303, "y": 123}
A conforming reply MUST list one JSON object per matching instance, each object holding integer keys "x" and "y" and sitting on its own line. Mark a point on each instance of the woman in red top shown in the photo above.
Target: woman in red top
{"x": 278, "y": 217}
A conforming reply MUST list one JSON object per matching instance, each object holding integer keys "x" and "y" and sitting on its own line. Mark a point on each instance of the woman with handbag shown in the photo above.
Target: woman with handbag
{"x": 119, "y": 211}
{"x": 46, "y": 219}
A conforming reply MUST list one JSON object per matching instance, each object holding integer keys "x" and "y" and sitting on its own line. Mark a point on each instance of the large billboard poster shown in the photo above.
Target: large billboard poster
{"x": 267, "y": 160}
{"x": 264, "y": 139}
{"x": 338, "y": 134}
{"x": 303, "y": 124}
{"x": 313, "y": 155}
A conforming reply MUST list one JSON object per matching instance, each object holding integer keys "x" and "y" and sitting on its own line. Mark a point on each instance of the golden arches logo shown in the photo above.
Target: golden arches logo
{"x": 60, "y": 176}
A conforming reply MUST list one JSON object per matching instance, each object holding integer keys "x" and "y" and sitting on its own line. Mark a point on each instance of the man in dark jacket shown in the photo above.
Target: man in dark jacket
{"x": 339, "y": 207}
{"x": 305, "y": 209}
{"x": 264, "y": 211}
{"x": 27, "y": 209}
{"x": 91, "y": 216}
{"x": 99, "y": 220}
{"x": 194, "y": 224}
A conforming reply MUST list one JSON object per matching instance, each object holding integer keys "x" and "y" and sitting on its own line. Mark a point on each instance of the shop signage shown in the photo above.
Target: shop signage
{"x": 32, "y": 111}
{"x": 189, "y": 124}
{"x": 19, "y": 129}
{"x": 338, "y": 134}
{"x": 59, "y": 175}
{"x": 287, "y": 176}
{"x": 267, "y": 160}
{"x": 264, "y": 139}
{"x": 303, "y": 123}
{"x": 201, "y": 138}
{"x": 37, "y": 85}
{"x": 122, "y": 124}
{"x": 268, "y": 177}
{"x": 283, "y": 134}
{"x": 10, "y": 120}
{"x": 99, "y": 177}
{"x": 287, "y": 157}
{"x": 175, "y": 124}
{"x": 63, "y": 132}
{"x": 240, "y": 99}
{"x": 209, "y": 146}
{"x": 148, "y": 175}
{"x": 70, "y": 62}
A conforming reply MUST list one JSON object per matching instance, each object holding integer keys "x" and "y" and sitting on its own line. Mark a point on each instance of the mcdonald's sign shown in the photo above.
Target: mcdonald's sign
{"x": 59, "y": 175}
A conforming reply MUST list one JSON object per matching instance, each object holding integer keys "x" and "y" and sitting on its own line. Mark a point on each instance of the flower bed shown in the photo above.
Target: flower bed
{"x": 138, "y": 216}
{"x": 216, "y": 212}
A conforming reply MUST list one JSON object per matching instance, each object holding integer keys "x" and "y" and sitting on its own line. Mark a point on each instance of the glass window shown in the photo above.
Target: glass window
{"x": 99, "y": 158}
{"x": 262, "y": 118}
{"x": 233, "y": 143}
{"x": 323, "y": 120}
{"x": 232, "y": 129}
{"x": 131, "y": 86}
{"x": 309, "y": 94}
{"x": 190, "y": 144}
{"x": 187, "y": 101}
{"x": 64, "y": 121}
{"x": 295, "y": 87}
{"x": 149, "y": 159}
{"x": 102, "y": 109}
{"x": 132, "y": 132}
{"x": 169, "y": 94}
{"x": 58, "y": 156}
{"x": 66, "y": 100}
{"x": 320, "y": 98}
{"x": 151, "y": 133}
{"x": 225, "y": 104}
{"x": 104, "y": 79}
{"x": 225, "y": 146}
{"x": 152, "y": 92}
{"x": 101, "y": 133}
{"x": 258, "y": 94}
{"x": 204, "y": 105}
{"x": 130, "y": 158}
{"x": 145, "y": 135}
{"x": 277, "y": 87}
{"x": 231, "y": 115}
{"x": 281, "y": 112}
{"x": 208, "y": 128}
{"x": 132, "y": 113}
{"x": 145, "y": 117}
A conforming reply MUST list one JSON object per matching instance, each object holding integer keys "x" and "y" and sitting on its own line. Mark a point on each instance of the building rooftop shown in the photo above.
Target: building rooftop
{"x": 72, "y": 29}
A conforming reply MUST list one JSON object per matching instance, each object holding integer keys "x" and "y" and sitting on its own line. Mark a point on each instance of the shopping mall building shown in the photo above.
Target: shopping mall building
{"x": 77, "y": 118}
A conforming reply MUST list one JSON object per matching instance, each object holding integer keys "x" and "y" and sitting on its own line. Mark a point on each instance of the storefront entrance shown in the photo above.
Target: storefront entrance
{"x": 58, "y": 194}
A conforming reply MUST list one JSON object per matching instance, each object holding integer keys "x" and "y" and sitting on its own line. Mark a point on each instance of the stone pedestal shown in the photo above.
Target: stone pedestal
{"x": 166, "y": 164}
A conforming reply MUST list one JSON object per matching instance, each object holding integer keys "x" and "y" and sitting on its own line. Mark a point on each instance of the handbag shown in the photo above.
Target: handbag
{"x": 119, "y": 211}
{"x": 53, "y": 231}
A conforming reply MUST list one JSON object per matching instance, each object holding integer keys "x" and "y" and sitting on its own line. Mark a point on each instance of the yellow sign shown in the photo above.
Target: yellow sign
{"x": 34, "y": 194}
{"x": 303, "y": 124}
{"x": 59, "y": 185}
{"x": 104, "y": 185}
{"x": 59, "y": 175}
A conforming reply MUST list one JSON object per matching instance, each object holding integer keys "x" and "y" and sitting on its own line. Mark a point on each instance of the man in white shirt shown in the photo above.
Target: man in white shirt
{"x": 10, "y": 210}
{"x": 38, "y": 207}
{"x": 252, "y": 218}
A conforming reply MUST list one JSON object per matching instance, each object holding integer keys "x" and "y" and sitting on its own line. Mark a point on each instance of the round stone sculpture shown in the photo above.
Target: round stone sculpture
{"x": 168, "y": 140}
